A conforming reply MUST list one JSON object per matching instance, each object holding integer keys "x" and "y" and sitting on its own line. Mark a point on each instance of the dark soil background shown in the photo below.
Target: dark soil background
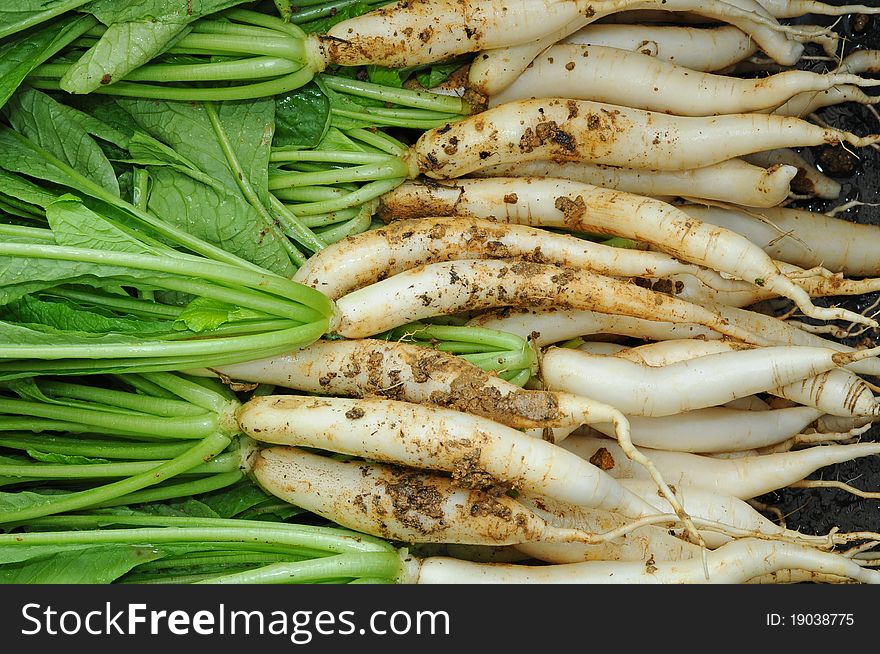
{"x": 819, "y": 510}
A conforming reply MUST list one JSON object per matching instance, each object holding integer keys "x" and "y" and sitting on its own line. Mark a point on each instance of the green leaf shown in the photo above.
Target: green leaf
{"x": 67, "y": 316}
{"x": 69, "y": 459}
{"x": 98, "y": 564}
{"x": 21, "y": 14}
{"x": 24, "y": 190}
{"x": 322, "y": 25}
{"x": 203, "y": 314}
{"x": 23, "y": 500}
{"x": 121, "y": 49}
{"x": 20, "y": 56}
{"x": 232, "y": 501}
{"x": 436, "y": 75}
{"x": 335, "y": 140}
{"x": 114, "y": 11}
{"x": 217, "y": 216}
{"x": 302, "y": 118}
{"x": 45, "y": 122}
{"x": 75, "y": 225}
{"x": 385, "y": 76}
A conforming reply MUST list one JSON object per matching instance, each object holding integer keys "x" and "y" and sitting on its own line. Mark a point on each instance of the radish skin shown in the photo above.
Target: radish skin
{"x": 803, "y": 104}
{"x": 641, "y": 544}
{"x": 546, "y": 327}
{"x": 744, "y": 477}
{"x": 734, "y": 562}
{"x": 493, "y": 70}
{"x": 590, "y": 72}
{"x": 446, "y": 288}
{"x": 477, "y": 451}
{"x": 744, "y": 184}
{"x": 575, "y": 206}
{"x": 802, "y": 238}
{"x": 717, "y": 429}
{"x": 400, "y": 371}
{"x": 373, "y": 255}
{"x": 706, "y": 49}
{"x": 693, "y": 384}
{"x": 724, "y": 509}
{"x": 808, "y": 181}
{"x": 401, "y": 504}
{"x": 602, "y": 133}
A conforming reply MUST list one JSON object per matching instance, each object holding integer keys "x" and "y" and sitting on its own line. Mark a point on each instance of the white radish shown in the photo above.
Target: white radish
{"x": 546, "y": 327}
{"x": 819, "y": 285}
{"x": 591, "y": 72}
{"x": 478, "y": 452}
{"x": 553, "y": 326}
{"x": 808, "y": 181}
{"x": 583, "y": 130}
{"x": 706, "y": 49}
{"x": 779, "y": 332}
{"x": 400, "y": 503}
{"x": 550, "y": 202}
{"x": 693, "y": 384}
{"x": 373, "y": 255}
{"x": 803, "y": 238}
{"x": 717, "y": 429}
{"x": 735, "y": 562}
{"x": 744, "y": 477}
{"x": 494, "y": 70}
{"x": 795, "y": 8}
{"x": 836, "y": 392}
{"x": 804, "y": 104}
{"x": 401, "y": 371}
{"x": 703, "y": 504}
{"x": 452, "y": 287}
{"x": 744, "y": 184}
{"x": 645, "y": 543}
{"x": 861, "y": 61}
{"x": 422, "y": 31}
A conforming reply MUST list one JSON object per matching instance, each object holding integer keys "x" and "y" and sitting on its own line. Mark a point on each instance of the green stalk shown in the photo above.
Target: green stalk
{"x": 247, "y": 69}
{"x": 147, "y": 405}
{"x": 194, "y": 530}
{"x": 370, "y": 172}
{"x": 294, "y": 227}
{"x": 34, "y": 233}
{"x": 105, "y": 449}
{"x": 184, "y": 266}
{"x": 124, "y": 303}
{"x": 377, "y": 119}
{"x": 69, "y": 471}
{"x": 364, "y": 194}
{"x": 174, "y": 491}
{"x": 331, "y": 156}
{"x": 277, "y": 86}
{"x": 304, "y": 194}
{"x": 379, "y": 140}
{"x": 186, "y": 427}
{"x": 194, "y": 393}
{"x": 211, "y": 558}
{"x": 203, "y": 451}
{"x": 265, "y": 20}
{"x": 258, "y": 347}
{"x": 292, "y": 49}
{"x": 356, "y": 225}
{"x": 210, "y": 349}
{"x": 18, "y": 423}
{"x": 324, "y": 219}
{"x": 446, "y": 104}
{"x": 367, "y": 564}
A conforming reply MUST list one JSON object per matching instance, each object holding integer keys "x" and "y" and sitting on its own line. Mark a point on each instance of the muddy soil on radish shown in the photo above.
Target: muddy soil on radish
{"x": 816, "y": 511}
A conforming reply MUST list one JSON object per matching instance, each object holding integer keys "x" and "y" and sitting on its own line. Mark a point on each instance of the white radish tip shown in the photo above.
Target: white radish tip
{"x": 845, "y": 358}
